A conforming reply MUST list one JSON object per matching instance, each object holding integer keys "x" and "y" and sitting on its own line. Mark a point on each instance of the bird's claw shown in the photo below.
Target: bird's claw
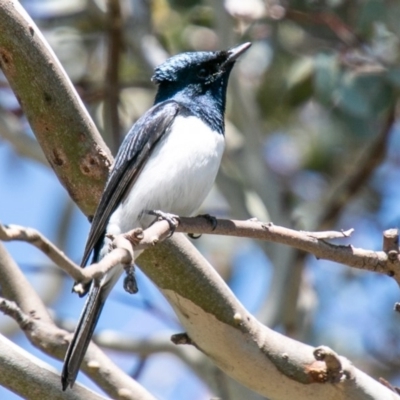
{"x": 130, "y": 283}
{"x": 194, "y": 236}
{"x": 172, "y": 219}
{"x": 211, "y": 219}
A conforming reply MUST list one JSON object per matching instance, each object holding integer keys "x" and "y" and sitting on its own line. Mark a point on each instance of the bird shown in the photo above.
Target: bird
{"x": 168, "y": 161}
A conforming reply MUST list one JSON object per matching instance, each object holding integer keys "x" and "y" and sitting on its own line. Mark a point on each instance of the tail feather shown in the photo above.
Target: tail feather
{"x": 83, "y": 333}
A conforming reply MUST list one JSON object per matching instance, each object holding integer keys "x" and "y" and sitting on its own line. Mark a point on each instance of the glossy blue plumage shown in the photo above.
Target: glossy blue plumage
{"x": 195, "y": 80}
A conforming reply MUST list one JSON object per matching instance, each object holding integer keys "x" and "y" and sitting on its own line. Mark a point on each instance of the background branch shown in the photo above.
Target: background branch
{"x": 15, "y": 286}
{"x": 22, "y": 144}
{"x": 18, "y": 367}
{"x": 364, "y": 166}
{"x": 114, "y": 47}
{"x": 34, "y": 320}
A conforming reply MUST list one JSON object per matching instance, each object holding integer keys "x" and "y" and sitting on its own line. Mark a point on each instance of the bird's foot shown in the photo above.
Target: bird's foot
{"x": 211, "y": 219}
{"x": 130, "y": 283}
{"x": 172, "y": 219}
{"x": 135, "y": 236}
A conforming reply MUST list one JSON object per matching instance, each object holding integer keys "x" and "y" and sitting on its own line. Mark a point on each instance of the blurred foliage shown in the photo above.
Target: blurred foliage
{"x": 317, "y": 88}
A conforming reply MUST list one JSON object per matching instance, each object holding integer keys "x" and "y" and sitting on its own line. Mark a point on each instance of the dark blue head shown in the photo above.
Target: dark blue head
{"x": 197, "y": 79}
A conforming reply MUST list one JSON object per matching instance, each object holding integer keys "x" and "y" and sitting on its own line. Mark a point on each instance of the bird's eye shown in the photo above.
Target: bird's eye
{"x": 203, "y": 73}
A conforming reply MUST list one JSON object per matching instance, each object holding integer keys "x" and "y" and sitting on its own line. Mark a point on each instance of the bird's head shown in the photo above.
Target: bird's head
{"x": 196, "y": 74}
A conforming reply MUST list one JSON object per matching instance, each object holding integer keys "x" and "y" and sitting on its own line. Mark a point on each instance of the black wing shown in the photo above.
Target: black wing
{"x": 132, "y": 155}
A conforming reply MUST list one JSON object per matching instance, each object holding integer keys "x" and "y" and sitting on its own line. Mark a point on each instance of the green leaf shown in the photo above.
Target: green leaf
{"x": 326, "y": 76}
{"x": 362, "y": 94}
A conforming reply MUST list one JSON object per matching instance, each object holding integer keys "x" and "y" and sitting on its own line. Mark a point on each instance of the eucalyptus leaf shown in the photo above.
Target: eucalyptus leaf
{"x": 326, "y": 76}
{"x": 362, "y": 94}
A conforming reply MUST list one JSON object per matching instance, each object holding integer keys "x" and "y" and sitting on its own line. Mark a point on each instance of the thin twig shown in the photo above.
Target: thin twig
{"x": 11, "y": 309}
{"x": 342, "y": 31}
{"x": 315, "y": 243}
{"x": 32, "y": 236}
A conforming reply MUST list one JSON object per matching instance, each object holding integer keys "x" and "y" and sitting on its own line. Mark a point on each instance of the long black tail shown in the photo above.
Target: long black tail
{"x": 83, "y": 333}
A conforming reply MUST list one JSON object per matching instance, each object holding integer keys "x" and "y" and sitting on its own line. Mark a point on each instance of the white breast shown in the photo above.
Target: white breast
{"x": 176, "y": 178}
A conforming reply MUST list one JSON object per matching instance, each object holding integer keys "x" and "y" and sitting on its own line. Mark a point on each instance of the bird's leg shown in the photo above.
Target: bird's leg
{"x": 172, "y": 219}
{"x": 130, "y": 284}
{"x": 211, "y": 219}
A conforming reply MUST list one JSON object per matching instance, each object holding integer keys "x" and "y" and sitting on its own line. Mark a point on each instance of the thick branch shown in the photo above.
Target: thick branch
{"x": 221, "y": 385}
{"x": 18, "y": 367}
{"x": 246, "y": 350}
{"x": 52, "y": 107}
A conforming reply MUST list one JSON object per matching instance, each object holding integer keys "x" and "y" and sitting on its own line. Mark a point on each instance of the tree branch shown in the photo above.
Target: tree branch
{"x": 52, "y": 107}
{"x": 213, "y": 318}
{"x": 384, "y": 262}
{"x": 234, "y": 340}
{"x": 111, "y": 101}
{"x": 31, "y": 315}
{"x": 32, "y": 236}
{"x": 215, "y": 313}
{"x": 371, "y": 157}
{"x": 124, "y": 245}
{"x": 18, "y": 367}
{"x": 22, "y": 144}
{"x": 14, "y": 286}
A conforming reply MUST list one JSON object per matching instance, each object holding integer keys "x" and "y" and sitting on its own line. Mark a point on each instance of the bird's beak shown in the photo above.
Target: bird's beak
{"x": 234, "y": 54}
